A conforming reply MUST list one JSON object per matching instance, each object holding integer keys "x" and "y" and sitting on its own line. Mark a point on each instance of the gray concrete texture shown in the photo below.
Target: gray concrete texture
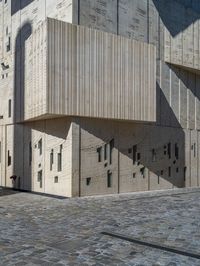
{"x": 168, "y": 151}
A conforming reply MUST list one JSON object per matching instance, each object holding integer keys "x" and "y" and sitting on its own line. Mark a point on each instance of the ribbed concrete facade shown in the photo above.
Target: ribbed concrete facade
{"x": 99, "y": 74}
{"x": 99, "y": 97}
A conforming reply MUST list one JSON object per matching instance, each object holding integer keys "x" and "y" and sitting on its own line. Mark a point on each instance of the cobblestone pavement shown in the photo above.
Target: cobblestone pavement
{"x": 39, "y": 230}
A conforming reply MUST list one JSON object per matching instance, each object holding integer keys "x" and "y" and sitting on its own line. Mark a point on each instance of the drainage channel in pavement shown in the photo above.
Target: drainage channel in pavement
{"x": 151, "y": 244}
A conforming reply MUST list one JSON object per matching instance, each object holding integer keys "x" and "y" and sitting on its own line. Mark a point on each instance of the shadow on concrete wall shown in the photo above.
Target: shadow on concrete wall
{"x": 17, "y": 5}
{"x": 21, "y": 165}
{"x": 147, "y": 138}
{"x": 153, "y": 140}
{"x": 164, "y": 170}
{"x": 177, "y": 15}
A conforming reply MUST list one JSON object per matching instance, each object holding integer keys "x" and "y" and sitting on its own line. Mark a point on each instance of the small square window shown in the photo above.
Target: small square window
{"x": 56, "y": 179}
{"x": 129, "y": 150}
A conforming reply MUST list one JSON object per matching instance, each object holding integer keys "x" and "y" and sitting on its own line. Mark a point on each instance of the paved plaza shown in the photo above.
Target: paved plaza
{"x": 41, "y": 230}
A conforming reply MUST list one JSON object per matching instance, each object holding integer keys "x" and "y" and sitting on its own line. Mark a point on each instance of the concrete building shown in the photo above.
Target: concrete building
{"x": 99, "y": 96}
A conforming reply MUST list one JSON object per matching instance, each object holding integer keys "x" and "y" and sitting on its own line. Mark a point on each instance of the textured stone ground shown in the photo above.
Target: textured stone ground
{"x": 39, "y": 230}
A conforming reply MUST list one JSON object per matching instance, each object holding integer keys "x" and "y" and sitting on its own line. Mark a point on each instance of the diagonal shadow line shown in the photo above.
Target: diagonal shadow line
{"x": 152, "y": 245}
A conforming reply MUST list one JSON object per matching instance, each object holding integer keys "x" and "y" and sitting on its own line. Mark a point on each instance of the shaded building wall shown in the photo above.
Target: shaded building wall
{"x": 139, "y": 157}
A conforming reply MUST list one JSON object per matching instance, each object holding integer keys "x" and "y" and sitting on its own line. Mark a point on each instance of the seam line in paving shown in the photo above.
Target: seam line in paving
{"x": 157, "y": 196}
{"x": 151, "y": 244}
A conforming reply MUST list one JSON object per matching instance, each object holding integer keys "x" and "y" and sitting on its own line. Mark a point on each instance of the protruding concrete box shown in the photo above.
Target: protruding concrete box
{"x": 90, "y": 73}
{"x": 182, "y": 37}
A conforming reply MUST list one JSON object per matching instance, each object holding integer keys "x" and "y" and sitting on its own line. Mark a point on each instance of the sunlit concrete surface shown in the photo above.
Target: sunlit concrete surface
{"x": 40, "y": 230}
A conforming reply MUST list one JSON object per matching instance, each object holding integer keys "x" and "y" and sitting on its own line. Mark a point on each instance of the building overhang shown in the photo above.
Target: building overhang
{"x": 88, "y": 73}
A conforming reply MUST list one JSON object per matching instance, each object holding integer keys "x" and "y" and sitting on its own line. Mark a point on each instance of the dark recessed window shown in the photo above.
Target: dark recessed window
{"x": 105, "y": 151}
{"x": 8, "y": 45}
{"x": 55, "y": 179}
{"x": 184, "y": 172}
{"x": 111, "y": 144}
{"x": 9, "y": 158}
{"x": 169, "y": 171}
{"x": 60, "y": 159}
{"x": 40, "y": 146}
{"x": 99, "y": 152}
{"x": 194, "y": 149}
{"x": 176, "y": 151}
{"x": 153, "y": 155}
{"x": 142, "y": 171}
{"x": 129, "y": 150}
{"x": 40, "y": 178}
{"x": 51, "y": 160}
{"x": 134, "y": 175}
{"x": 30, "y": 153}
{"x": 169, "y": 150}
{"x": 9, "y": 108}
{"x": 138, "y": 156}
{"x": 134, "y": 153}
{"x": 109, "y": 178}
{"x": 59, "y": 162}
{"x": 88, "y": 181}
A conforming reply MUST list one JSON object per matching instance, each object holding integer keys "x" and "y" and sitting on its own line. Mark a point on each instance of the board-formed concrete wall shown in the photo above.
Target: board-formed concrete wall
{"x": 18, "y": 20}
{"x": 97, "y": 74}
{"x": 149, "y": 21}
{"x": 145, "y": 156}
{"x": 25, "y": 160}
